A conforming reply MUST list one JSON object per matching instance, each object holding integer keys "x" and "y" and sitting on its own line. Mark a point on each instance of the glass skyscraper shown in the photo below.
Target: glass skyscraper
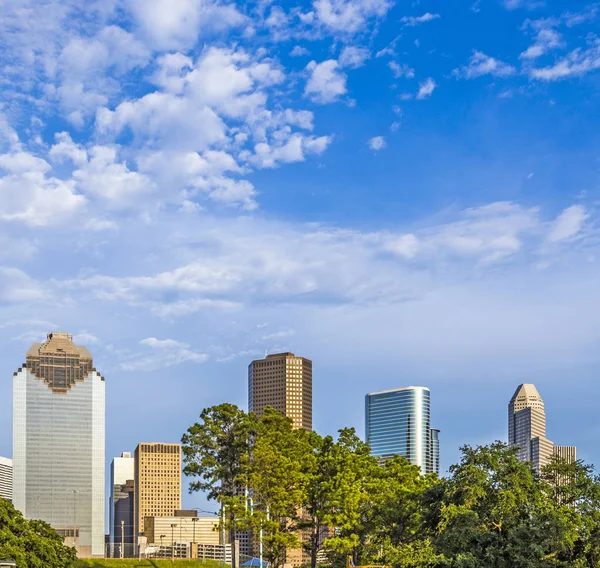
{"x": 58, "y": 442}
{"x": 398, "y": 422}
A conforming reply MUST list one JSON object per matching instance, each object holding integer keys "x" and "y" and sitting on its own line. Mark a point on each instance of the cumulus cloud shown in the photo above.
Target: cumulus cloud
{"x": 353, "y": 57}
{"x": 376, "y": 143}
{"x": 299, "y": 51}
{"x": 426, "y": 89}
{"x": 326, "y": 83}
{"x": 30, "y": 194}
{"x": 178, "y": 24}
{"x": 412, "y": 21}
{"x": 349, "y": 16}
{"x": 401, "y": 70}
{"x": 481, "y": 64}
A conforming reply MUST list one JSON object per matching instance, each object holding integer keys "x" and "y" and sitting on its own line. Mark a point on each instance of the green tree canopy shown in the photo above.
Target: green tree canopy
{"x": 31, "y": 544}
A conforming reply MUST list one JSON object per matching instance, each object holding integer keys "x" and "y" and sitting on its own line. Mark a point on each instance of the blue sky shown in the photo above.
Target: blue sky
{"x": 405, "y": 193}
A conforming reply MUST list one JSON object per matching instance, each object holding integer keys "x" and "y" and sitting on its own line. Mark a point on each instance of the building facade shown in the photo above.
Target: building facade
{"x": 527, "y": 429}
{"x": 6, "y": 478}
{"x": 58, "y": 442}
{"x": 120, "y": 506}
{"x": 179, "y": 529}
{"x": 284, "y": 382}
{"x": 157, "y": 474}
{"x": 398, "y": 423}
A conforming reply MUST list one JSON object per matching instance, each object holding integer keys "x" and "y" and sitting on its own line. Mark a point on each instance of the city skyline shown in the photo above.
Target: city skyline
{"x": 406, "y": 193}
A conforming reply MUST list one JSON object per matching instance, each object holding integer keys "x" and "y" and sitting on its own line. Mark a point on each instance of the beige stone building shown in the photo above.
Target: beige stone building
{"x": 527, "y": 429}
{"x": 159, "y": 530}
{"x": 284, "y": 382}
{"x": 157, "y": 482}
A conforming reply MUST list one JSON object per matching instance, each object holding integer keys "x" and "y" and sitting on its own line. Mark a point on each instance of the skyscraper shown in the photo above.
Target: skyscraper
{"x": 6, "y": 478}
{"x": 120, "y": 505}
{"x": 527, "y": 429}
{"x": 527, "y": 426}
{"x": 397, "y": 422}
{"x": 157, "y": 482}
{"x": 58, "y": 441}
{"x": 284, "y": 382}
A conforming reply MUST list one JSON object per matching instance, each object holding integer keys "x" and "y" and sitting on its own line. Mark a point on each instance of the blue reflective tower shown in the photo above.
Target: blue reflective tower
{"x": 398, "y": 423}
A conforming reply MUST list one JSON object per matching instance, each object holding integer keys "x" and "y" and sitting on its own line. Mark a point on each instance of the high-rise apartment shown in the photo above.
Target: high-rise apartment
{"x": 120, "y": 506}
{"x": 284, "y": 382}
{"x": 397, "y": 423}
{"x": 527, "y": 429}
{"x": 157, "y": 482}
{"x": 58, "y": 441}
{"x": 6, "y": 478}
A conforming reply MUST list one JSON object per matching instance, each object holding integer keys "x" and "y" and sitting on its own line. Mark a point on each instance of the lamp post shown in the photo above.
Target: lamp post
{"x": 173, "y": 525}
{"x": 122, "y": 539}
{"x": 74, "y": 515}
{"x": 222, "y": 514}
{"x": 194, "y": 521}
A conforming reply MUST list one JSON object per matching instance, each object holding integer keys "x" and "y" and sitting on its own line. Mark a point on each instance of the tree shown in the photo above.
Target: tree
{"x": 277, "y": 481}
{"x": 495, "y": 514}
{"x": 396, "y": 533}
{"x": 216, "y": 450}
{"x": 337, "y": 489}
{"x": 31, "y": 544}
{"x": 574, "y": 492}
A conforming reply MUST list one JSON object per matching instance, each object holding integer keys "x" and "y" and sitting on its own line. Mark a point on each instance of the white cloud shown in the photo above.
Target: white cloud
{"x": 376, "y": 143}
{"x": 578, "y": 62}
{"x": 349, "y": 16}
{"x": 426, "y": 88}
{"x": 66, "y": 149}
{"x": 164, "y": 353}
{"x": 326, "y": 83}
{"x": 110, "y": 180}
{"x": 568, "y": 224}
{"x": 353, "y": 57}
{"x": 401, "y": 70}
{"x": 178, "y": 24}
{"x": 481, "y": 64}
{"x": 30, "y": 195}
{"x": 546, "y": 38}
{"x": 575, "y": 18}
{"x": 299, "y": 51}
{"x": 527, "y": 4}
{"x": 413, "y": 21}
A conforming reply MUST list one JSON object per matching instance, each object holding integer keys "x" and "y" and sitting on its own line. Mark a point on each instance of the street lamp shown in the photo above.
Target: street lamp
{"x": 173, "y": 525}
{"x": 222, "y": 533}
{"x": 194, "y": 521}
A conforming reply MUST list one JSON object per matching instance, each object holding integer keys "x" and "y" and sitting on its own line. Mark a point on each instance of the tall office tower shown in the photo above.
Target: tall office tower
{"x": 434, "y": 451}
{"x": 527, "y": 427}
{"x": 58, "y": 442}
{"x": 157, "y": 476}
{"x": 283, "y": 382}
{"x": 397, "y": 423}
{"x": 6, "y": 478}
{"x": 121, "y": 513}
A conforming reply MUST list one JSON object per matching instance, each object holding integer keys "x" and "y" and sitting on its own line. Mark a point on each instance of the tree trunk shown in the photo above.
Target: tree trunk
{"x": 314, "y": 545}
{"x": 232, "y": 541}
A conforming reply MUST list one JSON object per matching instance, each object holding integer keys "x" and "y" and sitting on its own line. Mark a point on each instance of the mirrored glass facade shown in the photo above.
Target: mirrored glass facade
{"x": 58, "y": 449}
{"x": 398, "y": 423}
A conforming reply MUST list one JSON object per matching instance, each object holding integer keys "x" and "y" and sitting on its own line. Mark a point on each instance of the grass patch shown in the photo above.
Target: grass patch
{"x": 147, "y": 563}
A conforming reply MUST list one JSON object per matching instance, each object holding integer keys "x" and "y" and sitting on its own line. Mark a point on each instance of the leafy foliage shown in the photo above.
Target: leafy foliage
{"x": 329, "y": 495}
{"x": 31, "y": 544}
